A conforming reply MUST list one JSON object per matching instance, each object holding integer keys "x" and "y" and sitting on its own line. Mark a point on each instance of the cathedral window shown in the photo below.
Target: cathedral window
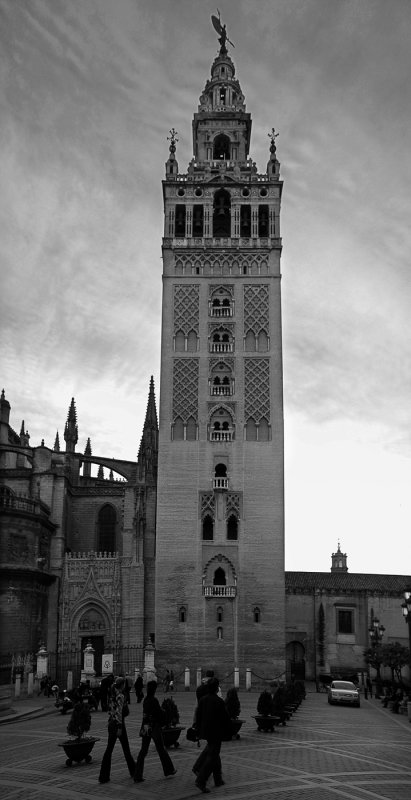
{"x": 256, "y": 614}
{"x": 219, "y": 632}
{"x": 232, "y": 528}
{"x": 182, "y": 614}
{"x": 245, "y": 220}
{"x": 180, "y": 224}
{"x": 107, "y": 529}
{"x": 219, "y": 614}
{"x": 208, "y": 528}
{"x": 263, "y": 229}
{"x": 345, "y": 620}
{"x": 222, "y": 213}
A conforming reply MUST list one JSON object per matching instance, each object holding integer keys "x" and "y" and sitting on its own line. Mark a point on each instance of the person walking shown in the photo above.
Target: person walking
{"x": 105, "y": 688}
{"x": 118, "y": 710}
{"x": 153, "y": 719}
{"x": 138, "y": 687}
{"x": 213, "y": 725}
{"x": 201, "y": 691}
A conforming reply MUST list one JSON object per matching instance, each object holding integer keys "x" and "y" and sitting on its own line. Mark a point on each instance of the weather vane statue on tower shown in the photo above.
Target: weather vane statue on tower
{"x": 222, "y": 33}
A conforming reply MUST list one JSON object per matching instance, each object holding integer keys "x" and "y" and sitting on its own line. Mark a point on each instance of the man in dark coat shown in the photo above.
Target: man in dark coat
{"x": 213, "y": 725}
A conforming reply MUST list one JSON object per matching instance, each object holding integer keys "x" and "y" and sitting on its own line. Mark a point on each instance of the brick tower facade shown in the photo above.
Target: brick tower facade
{"x": 220, "y": 507}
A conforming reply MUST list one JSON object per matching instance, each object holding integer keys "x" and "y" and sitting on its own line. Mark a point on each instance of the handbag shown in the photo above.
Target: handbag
{"x": 192, "y": 734}
{"x": 145, "y": 730}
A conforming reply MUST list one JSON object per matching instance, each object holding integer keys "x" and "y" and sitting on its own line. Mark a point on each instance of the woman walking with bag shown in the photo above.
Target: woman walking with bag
{"x": 117, "y": 711}
{"x": 153, "y": 719}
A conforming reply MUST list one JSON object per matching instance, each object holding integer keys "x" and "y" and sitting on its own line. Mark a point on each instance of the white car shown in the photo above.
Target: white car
{"x": 343, "y": 692}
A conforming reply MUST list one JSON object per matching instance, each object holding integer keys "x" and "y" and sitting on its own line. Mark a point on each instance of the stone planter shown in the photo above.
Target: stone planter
{"x": 235, "y": 727}
{"x": 171, "y": 735}
{"x": 266, "y": 723}
{"x": 78, "y": 749}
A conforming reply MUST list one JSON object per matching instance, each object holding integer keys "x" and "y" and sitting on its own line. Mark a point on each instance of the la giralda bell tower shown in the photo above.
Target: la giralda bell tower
{"x": 220, "y": 514}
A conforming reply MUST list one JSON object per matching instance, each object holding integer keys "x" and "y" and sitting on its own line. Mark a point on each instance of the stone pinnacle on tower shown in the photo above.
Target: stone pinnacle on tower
{"x": 147, "y": 454}
{"x": 71, "y": 429}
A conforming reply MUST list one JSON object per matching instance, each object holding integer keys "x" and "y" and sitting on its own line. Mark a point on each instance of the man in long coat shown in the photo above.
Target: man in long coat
{"x": 214, "y": 725}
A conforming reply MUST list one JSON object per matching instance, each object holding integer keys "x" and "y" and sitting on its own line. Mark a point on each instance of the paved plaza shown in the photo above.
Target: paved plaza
{"x": 324, "y": 753}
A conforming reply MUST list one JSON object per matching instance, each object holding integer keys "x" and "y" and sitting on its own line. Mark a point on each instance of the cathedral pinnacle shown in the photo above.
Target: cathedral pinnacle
{"x": 71, "y": 429}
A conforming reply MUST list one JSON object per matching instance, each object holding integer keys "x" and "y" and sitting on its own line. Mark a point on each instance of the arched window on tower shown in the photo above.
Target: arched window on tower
{"x": 106, "y": 529}
{"x": 180, "y": 224}
{"x": 208, "y": 528}
{"x": 262, "y": 341}
{"x": 232, "y": 528}
{"x": 180, "y": 342}
{"x": 222, "y": 148}
{"x": 178, "y": 430}
{"x": 198, "y": 220}
{"x": 222, "y": 213}
{"x": 251, "y": 431}
{"x": 245, "y": 221}
{"x": 182, "y": 614}
{"x": 263, "y": 229}
{"x": 191, "y": 430}
{"x": 249, "y": 342}
{"x": 219, "y": 577}
{"x": 256, "y": 614}
{"x": 192, "y": 342}
{"x": 219, "y": 614}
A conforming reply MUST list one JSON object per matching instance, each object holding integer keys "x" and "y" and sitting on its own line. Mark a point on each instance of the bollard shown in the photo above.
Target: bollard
{"x": 17, "y": 688}
{"x": 186, "y": 679}
{"x": 30, "y": 681}
{"x": 248, "y": 679}
{"x": 69, "y": 680}
{"x": 236, "y": 678}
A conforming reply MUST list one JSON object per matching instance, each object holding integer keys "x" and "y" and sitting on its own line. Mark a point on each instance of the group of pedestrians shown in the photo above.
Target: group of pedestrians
{"x": 211, "y": 721}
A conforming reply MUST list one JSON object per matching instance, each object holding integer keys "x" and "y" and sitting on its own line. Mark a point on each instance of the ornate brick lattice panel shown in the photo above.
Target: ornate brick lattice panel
{"x": 185, "y": 389}
{"x": 256, "y": 309}
{"x": 257, "y": 389}
{"x": 207, "y": 504}
{"x": 233, "y": 504}
{"x": 253, "y": 259}
{"x": 186, "y": 309}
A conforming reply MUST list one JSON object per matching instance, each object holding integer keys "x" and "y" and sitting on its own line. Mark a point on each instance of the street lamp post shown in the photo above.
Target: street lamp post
{"x": 376, "y": 632}
{"x": 406, "y": 610}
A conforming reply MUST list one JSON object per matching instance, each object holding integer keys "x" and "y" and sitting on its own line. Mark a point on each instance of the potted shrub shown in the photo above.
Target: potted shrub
{"x": 171, "y": 728}
{"x": 265, "y": 717}
{"x": 233, "y": 706}
{"x": 80, "y": 746}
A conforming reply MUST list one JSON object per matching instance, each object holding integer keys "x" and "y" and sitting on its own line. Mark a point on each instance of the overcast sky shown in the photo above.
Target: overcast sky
{"x": 89, "y": 90}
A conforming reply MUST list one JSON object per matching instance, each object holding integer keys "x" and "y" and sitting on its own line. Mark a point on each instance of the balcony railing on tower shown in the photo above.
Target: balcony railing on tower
{"x": 220, "y": 483}
{"x": 219, "y": 591}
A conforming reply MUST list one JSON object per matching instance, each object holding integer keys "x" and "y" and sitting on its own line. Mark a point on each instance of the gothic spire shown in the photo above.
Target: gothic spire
{"x": 71, "y": 429}
{"x": 147, "y": 454}
{"x": 57, "y": 443}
